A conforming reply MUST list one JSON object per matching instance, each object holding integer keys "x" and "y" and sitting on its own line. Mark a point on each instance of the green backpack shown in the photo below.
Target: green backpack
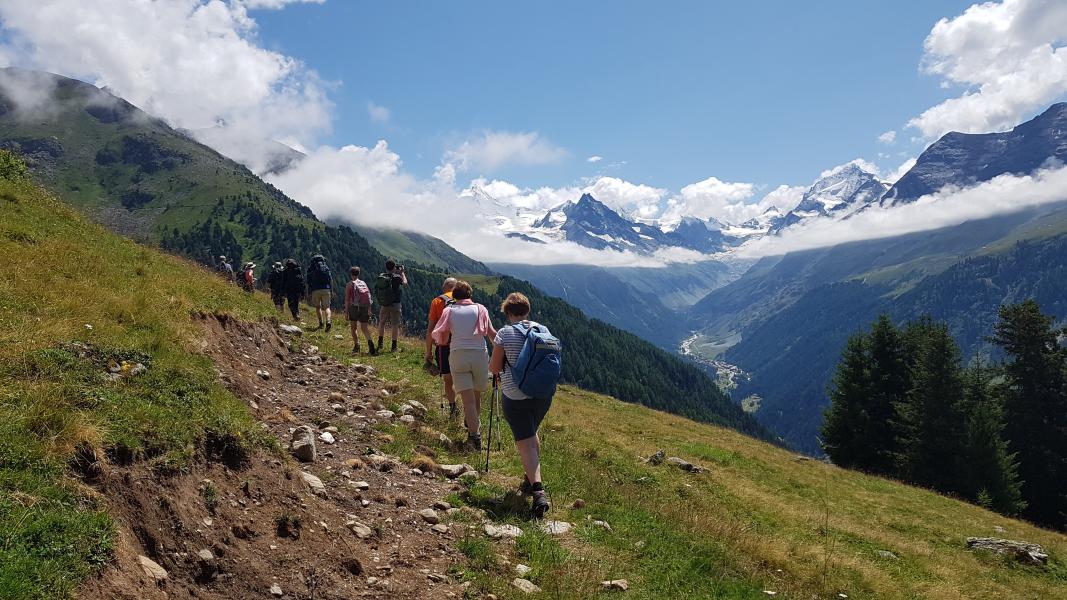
{"x": 383, "y": 290}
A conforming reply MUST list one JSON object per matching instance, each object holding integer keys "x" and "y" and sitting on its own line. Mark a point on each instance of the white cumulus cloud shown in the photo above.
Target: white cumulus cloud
{"x": 631, "y": 199}
{"x": 195, "y": 64}
{"x": 594, "y": 159}
{"x": 492, "y": 149}
{"x": 1008, "y": 56}
{"x": 378, "y": 113}
{"x": 888, "y": 137}
{"x": 951, "y": 206}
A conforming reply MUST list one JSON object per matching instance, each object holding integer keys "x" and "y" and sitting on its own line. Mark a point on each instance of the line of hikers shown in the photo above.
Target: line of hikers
{"x": 287, "y": 282}
{"x": 524, "y": 365}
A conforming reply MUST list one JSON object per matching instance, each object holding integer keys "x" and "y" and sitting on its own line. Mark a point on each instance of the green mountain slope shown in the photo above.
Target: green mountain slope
{"x": 144, "y": 179}
{"x": 411, "y": 246}
{"x": 795, "y": 313}
{"x": 759, "y": 520}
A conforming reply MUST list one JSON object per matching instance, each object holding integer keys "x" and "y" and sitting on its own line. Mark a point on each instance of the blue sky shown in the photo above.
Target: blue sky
{"x": 702, "y": 109}
{"x": 767, "y": 92}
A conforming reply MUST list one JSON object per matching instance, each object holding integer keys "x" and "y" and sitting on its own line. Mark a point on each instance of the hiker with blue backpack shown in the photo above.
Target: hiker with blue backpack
{"x": 527, "y": 358}
{"x": 465, "y": 326}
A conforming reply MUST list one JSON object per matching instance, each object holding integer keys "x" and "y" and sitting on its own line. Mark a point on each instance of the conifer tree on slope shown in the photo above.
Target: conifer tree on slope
{"x": 890, "y": 382}
{"x": 1035, "y": 407}
{"x": 844, "y": 430}
{"x": 991, "y": 471}
{"x": 931, "y": 419}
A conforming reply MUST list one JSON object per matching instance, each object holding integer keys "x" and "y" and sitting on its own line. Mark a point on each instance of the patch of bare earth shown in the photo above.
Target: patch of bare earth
{"x": 257, "y": 529}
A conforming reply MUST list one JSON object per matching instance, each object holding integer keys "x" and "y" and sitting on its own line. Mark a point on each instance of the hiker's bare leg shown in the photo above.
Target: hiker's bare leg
{"x": 450, "y": 392}
{"x": 471, "y": 412}
{"x": 530, "y": 453}
{"x": 396, "y": 329}
{"x": 366, "y": 331}
{"x": 381, "y": 323}
{"x": 329, "y": 314}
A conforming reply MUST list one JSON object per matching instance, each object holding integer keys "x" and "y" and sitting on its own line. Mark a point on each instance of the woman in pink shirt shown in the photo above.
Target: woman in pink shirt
{"x": 469, "y": 326}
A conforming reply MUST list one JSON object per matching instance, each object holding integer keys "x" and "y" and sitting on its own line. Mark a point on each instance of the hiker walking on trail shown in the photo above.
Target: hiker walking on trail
{"x": 389, "y": 290}
{"x": 293, "y": 286}
{"x": 248, "y": 277}
{"x": 357, "y": 309}
{"x": 276, "y": 284}
{"x": 225, "y": 269}
{"x": 437, "y": 354}
{"x": 465, "y": 327}
{"x": 527, "y": 358}
{"x": 319, "y": 294}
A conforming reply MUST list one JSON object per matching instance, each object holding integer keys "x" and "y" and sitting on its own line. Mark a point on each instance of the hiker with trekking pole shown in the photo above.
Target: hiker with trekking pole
{"x": 468, "y": 326}
{"x": 527, "y": 358}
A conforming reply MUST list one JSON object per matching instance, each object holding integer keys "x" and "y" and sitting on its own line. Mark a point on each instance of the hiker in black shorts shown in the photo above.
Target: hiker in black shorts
{"x": 437, "y": 356}
{"x": 276, "y": 283}
{"x": 293, "y": 286}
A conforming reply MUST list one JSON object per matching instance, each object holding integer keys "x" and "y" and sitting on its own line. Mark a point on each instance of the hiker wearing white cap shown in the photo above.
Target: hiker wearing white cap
{"x": 248, "y": 277}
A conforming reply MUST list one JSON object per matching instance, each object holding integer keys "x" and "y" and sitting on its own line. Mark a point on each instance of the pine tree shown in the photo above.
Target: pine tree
{"x": 890, "y": 381}
{"x": 1035, "y": 406}
{"x": 845, "y": 425}
{"x": 932, "y": 424}
{"x": 992, "y": 477}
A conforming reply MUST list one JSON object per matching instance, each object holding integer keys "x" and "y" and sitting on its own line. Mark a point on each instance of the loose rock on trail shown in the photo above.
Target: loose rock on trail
{"x": 334, "y": 518}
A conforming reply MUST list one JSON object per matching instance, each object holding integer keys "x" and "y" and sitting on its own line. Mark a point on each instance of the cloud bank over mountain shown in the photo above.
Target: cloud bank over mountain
{"x": 199, "y": 65}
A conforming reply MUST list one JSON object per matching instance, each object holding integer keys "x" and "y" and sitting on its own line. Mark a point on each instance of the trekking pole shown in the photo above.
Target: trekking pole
{"x": 492, "y": 413}
{"x": 497, "y": 393}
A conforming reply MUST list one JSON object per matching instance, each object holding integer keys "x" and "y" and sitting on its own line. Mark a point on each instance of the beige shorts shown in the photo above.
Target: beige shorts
{"x": 390, "y": 315}
{"x": 470, "y": 369}
{"x": 320, "y": 298}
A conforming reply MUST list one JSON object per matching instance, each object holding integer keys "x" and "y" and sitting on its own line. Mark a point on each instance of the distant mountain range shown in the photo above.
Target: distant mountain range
{"x": 788, "y": 317}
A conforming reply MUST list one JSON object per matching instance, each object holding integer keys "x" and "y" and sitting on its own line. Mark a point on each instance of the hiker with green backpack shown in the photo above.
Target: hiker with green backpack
{"x": 389, "y": 291}
{"x": 528, "y": 360}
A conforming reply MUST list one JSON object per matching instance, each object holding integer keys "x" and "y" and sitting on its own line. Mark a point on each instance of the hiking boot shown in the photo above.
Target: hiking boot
{"x": 371, "y": 348}
{"x": 329, "y": 324}
{"x": 355, "y": 348}
{"x": 319, "y": 327}
{"x": 540, "y": 504}
{"x": 453, "y": 411}
{"x": 393, "y": 348}
{"x": 525, "y": 488}
{"x": 381, "y": 344}
{"x": 474, "y": 441}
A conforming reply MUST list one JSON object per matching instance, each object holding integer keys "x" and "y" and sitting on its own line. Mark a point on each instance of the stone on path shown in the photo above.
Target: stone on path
{"x": 556, "y": 527}
{"x": 276, "y": 590}
{"x": 886, "y": 554}
{"x": 407, "y": 419}
{"x": 685, "y": 465}
{"x": 522, "y": 570}
{"x": 602, "y": 524}
{"x": 525, "y": 585}
{"x": 454, "y": 471}
{"x": 290, "y": 329}
{"x": 440, "y": 528}
{"x": 615, "y": 585}
{"x": 152, "y": 569}
{"x": 385, "y": 414}
{"x": 327, "y": 437}
{"x": 263, "y": 374}
{"x": 303, "y": 444}
{"x": 209, "y": 567}
{"x": 502, "y": 531}
{"x": 430, "y": 516}
{"x": 316, "y": 485}
{"x": 1024, "y": 552}
{"x": 362, "y": 531}
{"x": 361, "y": 485}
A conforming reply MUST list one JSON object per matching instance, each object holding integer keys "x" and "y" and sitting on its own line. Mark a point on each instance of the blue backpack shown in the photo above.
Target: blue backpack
{"x": 537, "y": 368}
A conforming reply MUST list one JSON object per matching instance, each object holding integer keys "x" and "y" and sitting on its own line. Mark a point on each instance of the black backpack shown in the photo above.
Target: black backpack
{"x": 319, "y": 275}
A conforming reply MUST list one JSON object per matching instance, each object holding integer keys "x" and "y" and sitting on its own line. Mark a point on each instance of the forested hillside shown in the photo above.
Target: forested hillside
{"x": 143, "y": 179}
{"x": 805, "y": 339}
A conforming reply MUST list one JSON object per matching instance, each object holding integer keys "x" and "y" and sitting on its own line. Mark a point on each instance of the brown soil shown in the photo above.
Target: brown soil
{"x": 259, "y": 519}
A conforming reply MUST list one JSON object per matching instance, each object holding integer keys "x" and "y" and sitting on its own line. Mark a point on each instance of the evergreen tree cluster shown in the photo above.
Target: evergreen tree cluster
{"x": 902, "y": 405}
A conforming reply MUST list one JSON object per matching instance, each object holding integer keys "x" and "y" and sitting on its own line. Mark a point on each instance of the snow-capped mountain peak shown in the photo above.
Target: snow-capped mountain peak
{"x": 839, "y": 193}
